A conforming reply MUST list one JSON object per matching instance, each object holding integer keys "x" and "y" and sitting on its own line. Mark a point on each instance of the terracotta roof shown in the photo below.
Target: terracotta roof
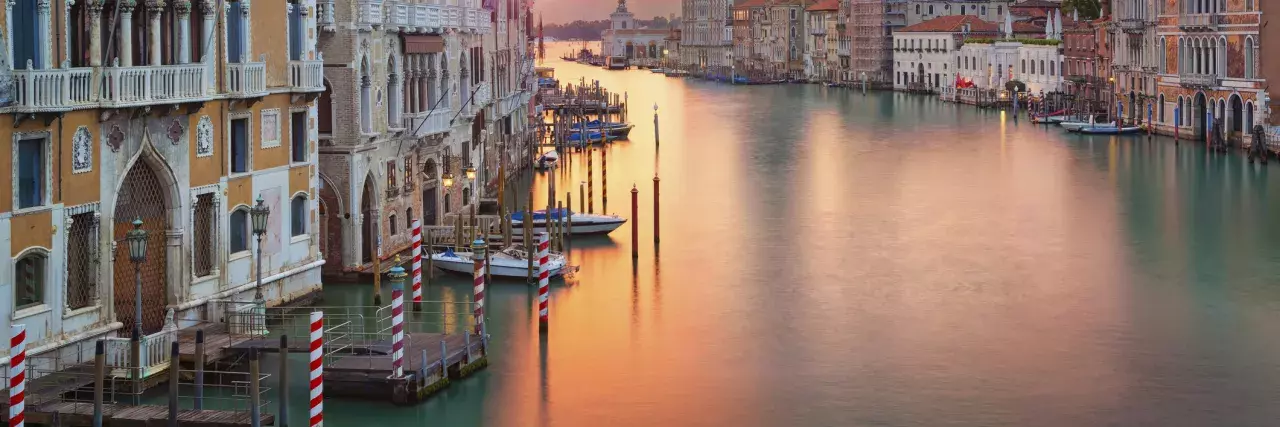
{"x": 951, "y": 24}
{"x": 825, "y": 5}
{"x": 1036, "y": 3}
{"x": 1028, "y": 28}
{"x": 1030, "y": 12}
{"x": 745, "y": 4}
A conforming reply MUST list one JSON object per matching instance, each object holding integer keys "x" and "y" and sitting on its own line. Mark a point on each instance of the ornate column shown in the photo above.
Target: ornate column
{"x": 154, "y": 9}
{"x": 444, "y": 94}
{"x": 125, "y": 57}
{"x": 183, "y": 7}
{"x": 248, "y": 31}
{"x": 411, "y": 84}
{"x": 426, "y": 82}
{"x": 46, "y": 46}
{"x": 209, "y": 11}
{"x": 95, "y": 33}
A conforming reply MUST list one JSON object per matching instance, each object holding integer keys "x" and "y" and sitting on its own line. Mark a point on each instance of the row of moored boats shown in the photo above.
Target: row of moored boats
{"x": 513, "y": 261}
{"x": 1091, "y": 124}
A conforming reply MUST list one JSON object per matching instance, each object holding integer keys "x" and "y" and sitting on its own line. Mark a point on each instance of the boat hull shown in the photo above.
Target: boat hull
{"x": 579, "y": 227}
{"x": 460, "y": 265}
{"x": 1109, "y": 130}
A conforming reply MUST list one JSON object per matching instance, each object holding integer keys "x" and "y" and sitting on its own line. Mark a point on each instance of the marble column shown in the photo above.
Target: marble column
{"x": 95, "y": 33}
{"x": 125, "y": 33}
{"x": 183, "y": 7}
{"x": 209, "y": 11}
{"x": 42, "y": 29}
{"x": 154, "y": 9}
{"x": 245, "y": 6}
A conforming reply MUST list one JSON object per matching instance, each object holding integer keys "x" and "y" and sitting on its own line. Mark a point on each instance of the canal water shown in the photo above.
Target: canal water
{"x": 834, "y": 259}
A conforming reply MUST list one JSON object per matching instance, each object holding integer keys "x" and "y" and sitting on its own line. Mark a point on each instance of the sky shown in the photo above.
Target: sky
{"x": 561, "y": 11}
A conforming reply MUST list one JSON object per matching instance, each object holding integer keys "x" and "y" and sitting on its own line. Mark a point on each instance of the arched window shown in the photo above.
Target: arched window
{"x": 391, "y": 223}
{"x": 446, "y": 202}
{"x": 29, "y": 280}
{"x": 1177, "y": 116}
{"x": 1248, "y": 116}
{"x": 466, "y": 196}
{"x": 1041, "y": 66}
{"x": 1051, "y": 68}
{"x": 238, "y": 230}
{"x": 298, "y": 214}
{"x": 1248, "y": 57}
{"x": 394, "y": 97}
{"x": 366, "y": 102}
{"x": 1160, "y": 109}
{"x": 408, "y": 218}
{"x": 1163, "y": 68}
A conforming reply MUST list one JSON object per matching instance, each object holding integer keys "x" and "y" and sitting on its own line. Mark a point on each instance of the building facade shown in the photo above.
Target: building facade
{"x": 179, "y": 119}
{"x": 625, "y": 38}
{"x": 871, "y": 56}
{"x": 925, "y": 54}
{"x": 820, "y": 60}
{"x": 707, "y": 34}
{"x": 1208, "y": 69}
{"x": 1135, "y": 57}
{"x": 410, "y": 100}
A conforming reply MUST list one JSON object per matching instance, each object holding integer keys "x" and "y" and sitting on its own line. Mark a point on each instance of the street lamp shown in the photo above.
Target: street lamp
{"x": 447, "y": 179}
{"x": 137, "y": 238}
{"x": 471, "y": 173}
{"x": 259, "y": 214}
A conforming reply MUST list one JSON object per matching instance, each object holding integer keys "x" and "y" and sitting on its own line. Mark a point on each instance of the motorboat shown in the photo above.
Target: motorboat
{"x": 547, "y": 160}
{"x": 511, "y": 262}
{"x": 592, "y": 137}
{"x": 1050, "y": 118}
{"x": 1075, "y": 125}
{"x": 1110, "y": 130}
{"x": 614, "y": 130}
{"x": 581, "y": 223}
{"x": 676, "y": 73}
{"x": 657, "y": 70}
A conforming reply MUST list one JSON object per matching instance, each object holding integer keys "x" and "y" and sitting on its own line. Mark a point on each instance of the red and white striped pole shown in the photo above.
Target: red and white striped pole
{"x": 397, "y": 276}
{"x": 477, "y": 256}
{"x": 417, "y": 265}
{"x": 317, "y": 369}
{"x": 543, "y": 281}
{"x": 17, "y": 376}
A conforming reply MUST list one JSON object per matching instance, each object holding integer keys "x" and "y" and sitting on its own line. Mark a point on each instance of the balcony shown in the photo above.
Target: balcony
{"x": 420, "y": 18}
{"x": 428, "y": 122}
{"x": 1131, "y": 25}
{"x": 153, "y": 84}
{"x": 60, "y": 89}
{"x": 324, "y": 8}
{"x": 482, "y": 96}
{"x": 247, "y": 80}
{"x": 369, "y": 14}
{"x": 1198, "y": 80}
{"x": 1198, "y": 22}
{"x": 512, "y": 102}
{"x": 307, "y": 76}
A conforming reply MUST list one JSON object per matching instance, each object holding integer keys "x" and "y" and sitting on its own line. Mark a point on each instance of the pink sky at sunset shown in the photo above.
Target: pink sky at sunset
{"x": 561, "y": 11}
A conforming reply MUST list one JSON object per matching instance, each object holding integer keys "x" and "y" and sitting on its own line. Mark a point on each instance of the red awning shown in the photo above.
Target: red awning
{"x": 422, "y": 43}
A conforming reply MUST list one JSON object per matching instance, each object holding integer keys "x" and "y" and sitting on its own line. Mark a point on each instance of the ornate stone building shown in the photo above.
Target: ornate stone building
{"x": 414, "y": 90}
{"x": 181, "y": 116}
{"x": 706, "y": 39}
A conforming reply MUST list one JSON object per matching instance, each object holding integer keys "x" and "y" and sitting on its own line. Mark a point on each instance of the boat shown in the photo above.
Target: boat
{"x": 592, "y": 137}
{"x": 616, "y": 63}
{"x": 583, "y": 223}
{"x": 547, "y": 77}
{"x": 1110, "y": 130}
{"x": 657, "y": 70}
{"x": 1075, "y": 125}
{"x": 512, "y": 262}
{"x": 615, "y": 130}
{"x": 1050, "y": 118}
{"x": 547, "y": 160}
{"x": 676, "y": 73}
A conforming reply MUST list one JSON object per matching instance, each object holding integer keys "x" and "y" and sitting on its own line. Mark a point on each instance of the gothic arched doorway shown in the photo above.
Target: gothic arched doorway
{"x": 370, "y": 221}
{"x": 142, "y": 195}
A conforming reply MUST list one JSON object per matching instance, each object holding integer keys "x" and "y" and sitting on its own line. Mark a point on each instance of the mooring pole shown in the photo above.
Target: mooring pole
{"x": 173, "y": 386}
{"x": 604, "y": 180}
{"x": 635, "y": 223}
{"x": 591, "y": 181}
{"x": 656, "y": 225}
{"x": 282, "y": 420}
{"x": 255, "y": 390}
{"x": 568, "y": 223}
{"x": 655, "y": 126}
{"x": 199, "y": 362}
{"x": 582, "y": 196}
{"x": 99, "y": 380}
{"x": 528, "y": 239}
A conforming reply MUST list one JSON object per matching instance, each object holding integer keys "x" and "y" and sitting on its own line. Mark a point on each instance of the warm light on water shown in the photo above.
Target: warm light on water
{"x": 833, "y": 259}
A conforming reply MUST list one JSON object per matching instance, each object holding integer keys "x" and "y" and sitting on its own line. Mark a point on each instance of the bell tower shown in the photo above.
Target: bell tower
{"x": 622, "y": 19}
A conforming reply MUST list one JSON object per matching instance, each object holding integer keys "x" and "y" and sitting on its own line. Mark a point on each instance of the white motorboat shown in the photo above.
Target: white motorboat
{"x": 512, "y": 262}
{"x": 547, "y": 160}
{"x": 581, "y": 223}
{"x": 1075, "y": 125}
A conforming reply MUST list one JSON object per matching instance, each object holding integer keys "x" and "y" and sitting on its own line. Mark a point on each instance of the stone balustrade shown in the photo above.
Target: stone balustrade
{"x": 51, "y": 90}
{"x": 428, "y": 123}
{"x": 153, "y": 84}
{"x": 247, "y": 80}
{"x": 422, "y": 16}
{"x": 307, "y": 75}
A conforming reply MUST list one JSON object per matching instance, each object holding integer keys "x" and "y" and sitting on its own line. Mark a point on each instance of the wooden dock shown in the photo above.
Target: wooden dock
{"x": 69, "y": 414}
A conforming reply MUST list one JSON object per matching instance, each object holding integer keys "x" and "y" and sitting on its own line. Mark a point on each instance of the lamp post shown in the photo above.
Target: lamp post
{"x": 137, "y": 238}
{"x": 259, "y": 214}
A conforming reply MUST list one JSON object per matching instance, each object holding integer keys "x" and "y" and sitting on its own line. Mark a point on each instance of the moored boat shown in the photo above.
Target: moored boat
{"x": 582, "y": 223}
{"x": 592, "y": 137}
{"x": 657, "y": 70}
{"x": 676, "y": 73}
{"x": 614, "y": 130}
{"x": 512, "y": 262}
{"x": 547, "y": 160}
{"x": 1110, "y": 130}
{"x": 1075, "y": 125}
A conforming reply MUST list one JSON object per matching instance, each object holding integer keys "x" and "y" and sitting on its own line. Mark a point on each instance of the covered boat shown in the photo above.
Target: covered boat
{"x": 581, "y": 223}
{"x": 615, "y": 130}
{"x": 1075, "y": 125}
{"x": 512, "y": 262}
{"x": 592, "y": 137}
{"x": 1110, "y": 130}
{"x": 547, "y": 160}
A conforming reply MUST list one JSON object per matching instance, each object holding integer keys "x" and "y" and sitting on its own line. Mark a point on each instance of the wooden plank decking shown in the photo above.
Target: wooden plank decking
{"x": 81, "y": 414}
{"x": 216, "y": 341}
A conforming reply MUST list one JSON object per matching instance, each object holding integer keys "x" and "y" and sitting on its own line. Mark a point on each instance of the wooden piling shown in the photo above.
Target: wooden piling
{"x": 568, "y": 197}
{"x": 560, "y": 224}
{"x": 173, "y": 385}
{"x": 582, "y": 197}
{"x": 282, "y": 420}
{"x": 457, "y": 232}
{"x": 199, "y": 362}
{"x": 591, "y": 197}
{"x": 604, "y": 179}
{"x": 656, "y": 140}
{"x": 656, "y": 224}
{"x": 99, "y": 380}
{"x": 528, "y": 239}
{"x": 255, "y": 389}
{"x": 635, "y": 223}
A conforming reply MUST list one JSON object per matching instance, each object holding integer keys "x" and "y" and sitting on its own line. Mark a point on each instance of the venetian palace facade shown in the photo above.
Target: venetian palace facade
{"x": 181, "y": 116}
{"x": 706, "y": 36}
{"x": 414, "y": 90}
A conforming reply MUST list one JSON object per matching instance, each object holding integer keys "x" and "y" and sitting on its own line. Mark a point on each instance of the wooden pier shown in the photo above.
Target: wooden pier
{"x": 72, "y": 414}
